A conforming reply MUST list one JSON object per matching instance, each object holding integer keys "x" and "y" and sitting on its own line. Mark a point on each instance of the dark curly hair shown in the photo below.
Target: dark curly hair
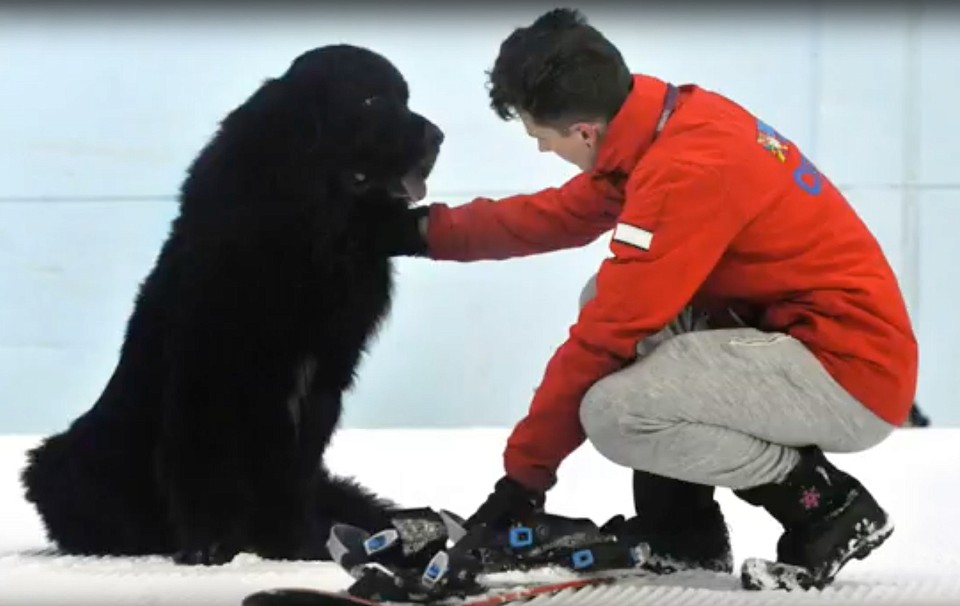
{"x": 559, "y": 70}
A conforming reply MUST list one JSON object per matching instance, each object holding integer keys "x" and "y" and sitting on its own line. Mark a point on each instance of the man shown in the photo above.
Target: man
{"x": 746, "y": 322}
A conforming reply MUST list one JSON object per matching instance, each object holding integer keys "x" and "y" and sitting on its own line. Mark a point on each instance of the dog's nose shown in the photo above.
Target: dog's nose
{"x": 434, "y": 135}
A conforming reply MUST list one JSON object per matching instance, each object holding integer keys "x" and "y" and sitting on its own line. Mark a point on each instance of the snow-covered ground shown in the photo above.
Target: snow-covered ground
{"x": 915, "y": 475}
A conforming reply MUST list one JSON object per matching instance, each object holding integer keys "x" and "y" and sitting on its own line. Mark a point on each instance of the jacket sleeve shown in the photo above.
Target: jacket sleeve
{"x": 674, "y": 228}
{"x": 572, "y": 215}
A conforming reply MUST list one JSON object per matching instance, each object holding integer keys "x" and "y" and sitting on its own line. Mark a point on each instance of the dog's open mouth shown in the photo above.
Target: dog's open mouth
{"x": 414, "y": 186}
{"x": 414, "y": 183}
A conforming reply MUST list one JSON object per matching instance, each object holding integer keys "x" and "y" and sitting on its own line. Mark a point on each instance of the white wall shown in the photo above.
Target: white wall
{"x": 100, "y": 113}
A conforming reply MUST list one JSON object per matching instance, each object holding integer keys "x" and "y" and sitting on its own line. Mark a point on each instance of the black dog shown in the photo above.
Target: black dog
{"x": 209, "y": 437}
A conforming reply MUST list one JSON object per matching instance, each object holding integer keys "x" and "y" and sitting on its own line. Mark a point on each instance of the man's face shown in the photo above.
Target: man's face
{"x": 577, "y": 146}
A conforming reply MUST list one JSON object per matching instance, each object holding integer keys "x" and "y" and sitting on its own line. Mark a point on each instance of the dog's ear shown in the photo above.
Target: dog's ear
{"x": 289, "y": 117}
{"x": 260, "y": 107}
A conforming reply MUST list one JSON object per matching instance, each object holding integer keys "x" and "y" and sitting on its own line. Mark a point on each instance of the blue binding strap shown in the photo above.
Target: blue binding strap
{"x": 582, "y": 558}
{"x": 521, "y": 536}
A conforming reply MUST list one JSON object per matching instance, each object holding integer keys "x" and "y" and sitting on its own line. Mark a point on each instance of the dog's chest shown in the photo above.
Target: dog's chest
{"x": 344, "y": 303}
{"x": 367, "y": 286}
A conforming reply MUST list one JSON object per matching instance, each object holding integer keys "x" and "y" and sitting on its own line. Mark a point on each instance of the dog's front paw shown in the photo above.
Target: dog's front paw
{"x": 214, "y": 554}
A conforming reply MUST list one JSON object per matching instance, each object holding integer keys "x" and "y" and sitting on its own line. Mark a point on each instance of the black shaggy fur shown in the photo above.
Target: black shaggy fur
{"x": 209, "y": 437}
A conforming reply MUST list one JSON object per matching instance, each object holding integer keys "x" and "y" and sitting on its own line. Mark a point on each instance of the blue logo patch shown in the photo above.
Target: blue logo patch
{"x": 806, "y": 176}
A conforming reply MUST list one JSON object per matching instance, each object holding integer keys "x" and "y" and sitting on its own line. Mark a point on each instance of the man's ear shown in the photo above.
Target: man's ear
{"x": 590, "y": 132}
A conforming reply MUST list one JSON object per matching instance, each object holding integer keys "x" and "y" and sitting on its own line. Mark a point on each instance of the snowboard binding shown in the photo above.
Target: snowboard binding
{"x": 427, "y": 555}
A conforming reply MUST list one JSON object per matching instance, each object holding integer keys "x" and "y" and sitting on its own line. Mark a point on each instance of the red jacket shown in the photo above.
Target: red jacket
{"x": 720, "y": 211}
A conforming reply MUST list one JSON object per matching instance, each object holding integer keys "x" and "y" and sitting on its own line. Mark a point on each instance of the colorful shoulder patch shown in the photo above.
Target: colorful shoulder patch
{"x": 771, "y": 141}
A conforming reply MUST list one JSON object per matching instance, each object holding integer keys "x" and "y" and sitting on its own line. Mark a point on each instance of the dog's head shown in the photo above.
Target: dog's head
{"x": 354, "y": 108}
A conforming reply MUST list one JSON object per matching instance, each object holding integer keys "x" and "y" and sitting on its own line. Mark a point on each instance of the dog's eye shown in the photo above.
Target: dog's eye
{"x": 371, "y": 100}
{"x": 359, "y": 177}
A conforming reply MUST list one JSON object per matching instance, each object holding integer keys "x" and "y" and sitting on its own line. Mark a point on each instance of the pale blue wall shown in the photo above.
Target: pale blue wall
{"x": 101, "y": 112}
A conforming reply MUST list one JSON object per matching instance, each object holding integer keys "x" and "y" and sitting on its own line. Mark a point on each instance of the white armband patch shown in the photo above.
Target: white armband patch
{"x": 633, "y": 235}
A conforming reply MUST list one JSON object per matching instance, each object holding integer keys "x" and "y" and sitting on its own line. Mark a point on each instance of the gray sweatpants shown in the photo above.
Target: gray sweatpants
{"x": 724, "y": 407}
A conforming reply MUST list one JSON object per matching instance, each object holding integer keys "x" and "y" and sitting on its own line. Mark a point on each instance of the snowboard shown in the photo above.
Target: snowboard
{"x": 516, "y": 594}
{"x": 452, "y": 576}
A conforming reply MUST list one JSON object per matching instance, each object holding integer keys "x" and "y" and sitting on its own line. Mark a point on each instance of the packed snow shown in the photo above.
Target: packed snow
{"x": 914, "y": 475}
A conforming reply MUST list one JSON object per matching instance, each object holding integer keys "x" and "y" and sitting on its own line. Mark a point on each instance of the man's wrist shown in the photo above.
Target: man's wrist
{"x": 411, "y": 236}
{"x": 422, "y": 226}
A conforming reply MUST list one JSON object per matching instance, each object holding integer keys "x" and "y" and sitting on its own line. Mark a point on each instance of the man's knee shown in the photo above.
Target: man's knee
{"x": 619, "y": 417}
{"x": 589, "y": 291}
{"x": 601, "y": 414}
{"x": 861, "y": 438}
{"x": 597, "y": 416}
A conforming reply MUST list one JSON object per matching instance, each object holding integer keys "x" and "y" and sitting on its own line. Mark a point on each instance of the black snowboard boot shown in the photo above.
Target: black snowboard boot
{"x": 828, "y": 518}
{"x": 681, "y": 524}
{"x": 406, "y": 559}
{"x": 543, "y": 539}
{"x": 412, "y": 539}
{"x": 917, "y": 418}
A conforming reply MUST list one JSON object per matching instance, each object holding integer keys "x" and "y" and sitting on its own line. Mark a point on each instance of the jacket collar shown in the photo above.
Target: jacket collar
{"x": 632, "y": 129}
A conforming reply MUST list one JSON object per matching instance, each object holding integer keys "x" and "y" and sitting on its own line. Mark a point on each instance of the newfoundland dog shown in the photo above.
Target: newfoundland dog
{"x": 208, "y": 439}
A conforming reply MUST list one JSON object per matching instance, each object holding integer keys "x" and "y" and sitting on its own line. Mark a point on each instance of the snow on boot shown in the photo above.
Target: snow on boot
{"x": 680, "y": 523}
{"x": 828, "y": 518}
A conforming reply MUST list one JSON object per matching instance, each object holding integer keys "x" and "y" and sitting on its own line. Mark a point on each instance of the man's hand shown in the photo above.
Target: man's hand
{"x": 509, "y": 501}
{"x": 402, "y": 232}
